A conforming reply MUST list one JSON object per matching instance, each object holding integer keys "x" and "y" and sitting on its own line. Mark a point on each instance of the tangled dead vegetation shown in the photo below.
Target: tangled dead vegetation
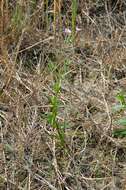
{"x": 57, "y": 90}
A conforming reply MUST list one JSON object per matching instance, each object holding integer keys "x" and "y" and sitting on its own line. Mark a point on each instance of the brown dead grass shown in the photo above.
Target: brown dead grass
{"x": 30, "y": 156}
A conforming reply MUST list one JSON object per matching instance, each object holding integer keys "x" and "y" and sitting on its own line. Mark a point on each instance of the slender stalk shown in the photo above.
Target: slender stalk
{"x": 1, "y": 23}
{"x": 74, "y": 13}
{"x": 54, "y": 11}
{"x": 47, "y": 19}
{"x": 60, "y": 17}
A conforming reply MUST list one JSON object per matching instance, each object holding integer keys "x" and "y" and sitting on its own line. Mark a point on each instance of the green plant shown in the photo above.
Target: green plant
{"x": 68, "y": 39}
{"x": 121, "y": 122}
{"x": 52, "y": 116}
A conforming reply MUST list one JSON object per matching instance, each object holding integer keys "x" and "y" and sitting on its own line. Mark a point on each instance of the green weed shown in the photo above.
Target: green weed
{"x": 121, "y": 122}
{"x": 68, "y": 39}
{"x": 52, "y": 116}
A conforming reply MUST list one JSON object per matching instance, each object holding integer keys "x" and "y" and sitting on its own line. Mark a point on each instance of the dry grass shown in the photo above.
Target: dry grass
{"x": 37, "y": 52}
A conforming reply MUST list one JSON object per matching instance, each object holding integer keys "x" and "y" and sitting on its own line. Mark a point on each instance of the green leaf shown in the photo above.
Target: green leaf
{"x": 57, "y": 87}
{"x": 64, "y": 126}
{"x": 54, "y": 101}
{"x": 122, "y": 122}
{"x": 51, "y": 118}
{"x": 51, "y": 66}
{"x": 119, "y": 133}
{"x": 121, "y": 97}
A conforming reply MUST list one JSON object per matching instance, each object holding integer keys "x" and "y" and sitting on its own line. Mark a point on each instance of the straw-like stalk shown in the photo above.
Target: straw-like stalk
{"x": 74, "y": 13}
